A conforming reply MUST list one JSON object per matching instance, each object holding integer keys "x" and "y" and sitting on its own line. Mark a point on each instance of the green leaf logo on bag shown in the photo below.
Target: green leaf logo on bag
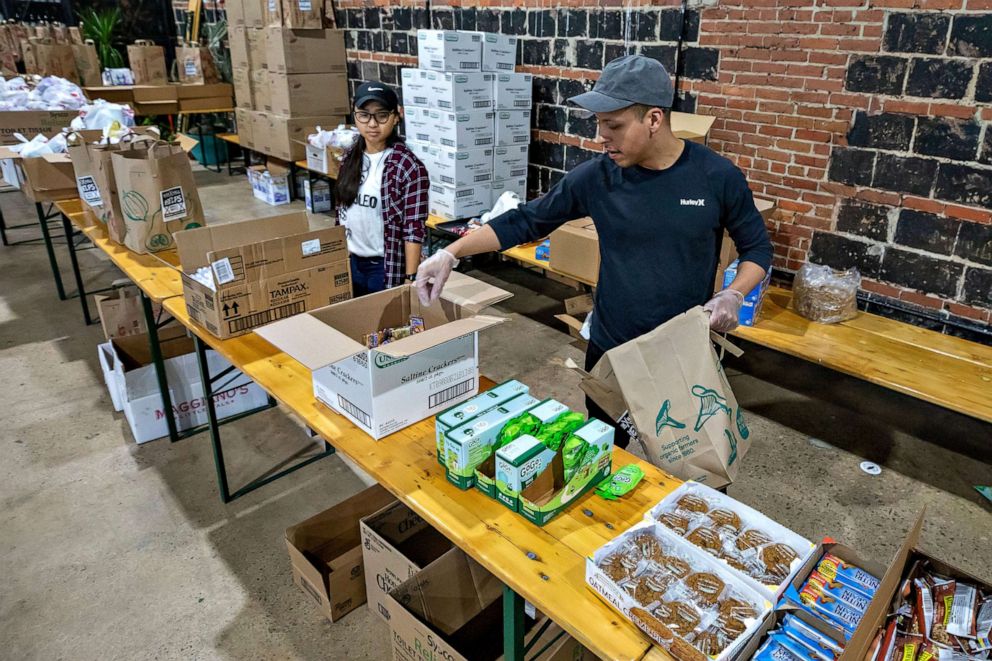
{"x": 134, "y": 206}
{"x": 664, "y": 419}
{"x": 191, "y": 226}
{"x": 733, "y": 447}
{"x": 741, "y": 425}
{"x": 710, "y": 403}
{"x": 159, "y": 242}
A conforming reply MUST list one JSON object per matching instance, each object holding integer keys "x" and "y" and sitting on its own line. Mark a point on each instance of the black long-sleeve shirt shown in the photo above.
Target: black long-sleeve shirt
{"x": 659, "y": 234}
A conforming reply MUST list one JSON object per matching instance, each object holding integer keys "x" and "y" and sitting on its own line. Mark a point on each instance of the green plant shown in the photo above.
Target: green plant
{"x": 101, "y": 27}
{"x": 216, "y": 35}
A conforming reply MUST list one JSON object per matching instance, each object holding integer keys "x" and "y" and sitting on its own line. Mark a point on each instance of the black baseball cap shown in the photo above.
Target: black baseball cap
{"x": 376, "y": 91}
{"x": 628, "y": 80}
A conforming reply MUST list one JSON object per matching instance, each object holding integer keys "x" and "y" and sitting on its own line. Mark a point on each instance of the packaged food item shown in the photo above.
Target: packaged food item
{"x": 834, "y": 590}
{"x": 835, "y": 569}
{"x": 833, "y": 612}
{"x": 462, "y": 413}
{"x": 822, "y": 645}
{"x": 774, "y": 650}
{"x": 385, "y": 336}
{"x": 621, "y": 482}
{"x": 555, "y": 433}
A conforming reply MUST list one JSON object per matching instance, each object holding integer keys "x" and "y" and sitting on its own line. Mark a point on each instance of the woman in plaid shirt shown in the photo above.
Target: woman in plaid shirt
{"x": 381, "y": 194}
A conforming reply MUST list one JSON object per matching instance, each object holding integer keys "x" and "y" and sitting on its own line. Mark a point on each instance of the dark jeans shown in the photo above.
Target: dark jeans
{"x": 368, "y": 275}
{"x": 620, "y": 438}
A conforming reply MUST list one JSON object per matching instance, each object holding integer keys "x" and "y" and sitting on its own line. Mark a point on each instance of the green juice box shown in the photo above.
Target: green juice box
{"x": 461, "y": 413}
{"x": 517, "y": 465}
{"x": 470, "y": 444}
{"x": 544, "y": 413}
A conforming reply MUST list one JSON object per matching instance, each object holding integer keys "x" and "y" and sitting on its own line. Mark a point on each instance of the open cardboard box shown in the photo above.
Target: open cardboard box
{"x": 265, "y": 269}
{"x": 46, "y": 178}
{"x": 575, "y": 250}
{"x": 30, "y": 123}
{"x": 577, "y": 309}
{"x": 385, "y": 389}
{"x": 692, "y": 127}
{"x": 326, "y": 552}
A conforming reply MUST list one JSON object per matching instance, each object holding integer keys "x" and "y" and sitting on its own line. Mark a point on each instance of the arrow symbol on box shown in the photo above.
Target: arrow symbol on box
{"x": 235, "y": 307}
{"x": 226, "y": 309}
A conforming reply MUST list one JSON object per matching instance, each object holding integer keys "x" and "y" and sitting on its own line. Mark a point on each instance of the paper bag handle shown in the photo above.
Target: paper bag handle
{"x": 726, "y": 345}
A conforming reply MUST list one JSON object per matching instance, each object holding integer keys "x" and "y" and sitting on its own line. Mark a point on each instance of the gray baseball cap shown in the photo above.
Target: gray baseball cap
{"x": 628, "y": 80}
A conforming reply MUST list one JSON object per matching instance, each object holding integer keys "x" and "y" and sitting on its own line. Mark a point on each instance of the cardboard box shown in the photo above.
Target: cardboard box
{"x": 449, "y": 50}
{"x": 12, "y": 172}
{"x": 468, "y": 410}
{"x": 241, "y": 80}
{"x": 425, "y": 152}
{"x": 323, "y": 159}
{"x": 465, "y": 167}
{"x": 272, "y": 13}
{"x": 267, "y": 269}
{"x": 512, "y": 127}
{"x": 309, "y": 94}
{"x": 305, "y": 51}
{"x": 577, "y": 310}
{"x": 500, "y": 186}
{"x": 29, "y": 123}
{"x": 317, "y": 195}
{"x": 388, "y": 388}
{"x": 130, "y": 376}
{"x": 575, "y": 250}
{"x": 237, "y": 39}
{"x": 751, "y": 307}
{"x": 695, "y": 128}
{"x": 213, "y": 103}
{"x": 513, "y": 91}
{"x": 305, "y": 14}
{"x": 396, "y": 544}
{"x": 45, "y": 178}
{"x": 269, "y": 184}
{"x": 155, "y": 93}
{"x": 254, "y": 12}
{"x": 244, "y": 123}
{"x": 261, "y": 90}
{"x": 121, "y": 315}
{"x": 419, "y": 125}
{"x": 257, "y": 48}
{"x": 455, "y": 203}
{"x": 510, "y": 162}
{"x": 235, "y": 10}
{"x": 460, "y": 92}
{"x": 285, "y": 137}
{"x": 416, "y": 88}
{"x": 326, "y": 552}
{"x": 113, "y": 93}
{"x": 204, "y": 91}
{"x": 499, "y": 52}
{"x": 463, "y": 130}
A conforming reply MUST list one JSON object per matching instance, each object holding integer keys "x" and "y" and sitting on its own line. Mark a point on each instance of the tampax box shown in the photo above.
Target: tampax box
{"x": 416, "y": 88}
{"x": 460, "y": 92}
{"x": 554, "y": 489}
{"x": 467, "y": 446}
{"x": 449, "y": 50}
{"x": 264, "y": 269}
{"x": 463, "y": 130}
{"x": 305, "y": 51}
{"x": 396, "y": 544}
{"x": 461, "y": 167}
{"x": 519, "y": 462}
{"x": 326, "y": 552}
{"x": 387, "y": 388}
{"x": 453, "y": 203}
{"x": 499, "y": 52}
{"x": 512, "y": 127}
{"x": 460, "y": 414}
{"x": 510, "y": 162}
{"x": 500, "y": 186}
{"x": 420, "y": 124}
{"x": 308, "y": 93}
{"x": 513, "y": 91}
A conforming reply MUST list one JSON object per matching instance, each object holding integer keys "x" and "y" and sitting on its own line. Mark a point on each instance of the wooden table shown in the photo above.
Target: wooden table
{"x": 546, "y": 566}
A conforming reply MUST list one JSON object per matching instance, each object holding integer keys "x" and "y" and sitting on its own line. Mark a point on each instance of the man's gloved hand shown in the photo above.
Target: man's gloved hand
{"x": 433, "y": 274}
{"x": 724, "y": 309}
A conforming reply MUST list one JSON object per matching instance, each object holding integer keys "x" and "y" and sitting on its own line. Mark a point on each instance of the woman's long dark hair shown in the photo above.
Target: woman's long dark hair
{"x": 350, "y": 172}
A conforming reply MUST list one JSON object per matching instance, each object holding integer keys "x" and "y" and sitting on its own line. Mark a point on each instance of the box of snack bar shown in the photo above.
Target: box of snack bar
{"x": 460, "y": 414}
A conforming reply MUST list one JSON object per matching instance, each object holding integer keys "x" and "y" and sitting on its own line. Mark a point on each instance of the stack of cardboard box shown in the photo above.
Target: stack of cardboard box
{"x": 468, "y": 119}
{"x": 289, "y": 74}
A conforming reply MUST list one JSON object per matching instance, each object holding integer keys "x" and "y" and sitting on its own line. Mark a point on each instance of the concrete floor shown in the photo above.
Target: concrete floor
{"x": 109, "y": 550}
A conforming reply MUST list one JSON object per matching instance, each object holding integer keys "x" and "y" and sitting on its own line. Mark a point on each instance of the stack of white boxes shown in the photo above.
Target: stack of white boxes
{"x": 468, "y": 119}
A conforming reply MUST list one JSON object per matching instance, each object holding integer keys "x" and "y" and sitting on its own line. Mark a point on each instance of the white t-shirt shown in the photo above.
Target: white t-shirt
{"x": 363, "y": 219}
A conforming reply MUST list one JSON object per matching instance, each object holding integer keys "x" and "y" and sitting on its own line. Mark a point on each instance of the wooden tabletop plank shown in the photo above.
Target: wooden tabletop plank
{"x": 233, "y": 138}
{"x": 150, "y": 273}
{"x": 545, "y": 565}
{"x": 946, "y": 371}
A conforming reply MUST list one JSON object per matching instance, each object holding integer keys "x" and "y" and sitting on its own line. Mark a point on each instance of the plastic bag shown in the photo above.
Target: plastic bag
{"x": 340, "y": 140}
{"x": 102, "y": 114}
{"x": 824, "y": 295}
{"x": 505, "y": 202}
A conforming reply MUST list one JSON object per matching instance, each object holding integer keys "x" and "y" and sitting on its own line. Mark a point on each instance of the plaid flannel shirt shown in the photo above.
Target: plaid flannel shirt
{"x": 405, "y": 185}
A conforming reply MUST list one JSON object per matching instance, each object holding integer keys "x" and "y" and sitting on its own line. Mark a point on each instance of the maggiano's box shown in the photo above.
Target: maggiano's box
{"x": 254, "y": 272}
{"x": 392, "y": 386}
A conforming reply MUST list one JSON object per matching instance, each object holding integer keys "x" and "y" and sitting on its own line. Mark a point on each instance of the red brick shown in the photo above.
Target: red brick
{"x": 922, "y": 299}
{"x": 949, "y": 110}
{"x": 908, "y": 107}
{"x": 840, "y": 29}
{"x": 728, "y": 64}
{"x": 880, "y": 288}
{"x": 869, "y": 16}
{"x": 815, "y": 174}
{"x": 819, "y": 198}
{"x": 841, "y": 190}
{"x": 979, "y": 5}
{"x": 981, "y": 216}
{"x": 811, "y": 161}
{"x": 778, "y": 168}
{"x": 939, "y": 5}
{"x": 873, "y": 31}
{"x": 862, "y": 45}
{"x": 814, "y": 222}
{"x": 776, "y": 131}
{"x": 922, "y": 204}
{"x": 772, "y": 94}
{"x": 776, "y": 107}
{"x": 833, "y": 85}
{"x": 812, "y": 97}
{"x": 878, "y": 197}
{"x": 821, "y": 57}
{"x": 986, "y": 114}
{"x": 742, "y": 104}
{"x": 894, "y": 4}
{"x": 806, "y": 70}
{"x": 849, "y": 100}
{"x": 959, "y": 310}
{"x": 769, "y": 67}
{"x": 814, "y": 136}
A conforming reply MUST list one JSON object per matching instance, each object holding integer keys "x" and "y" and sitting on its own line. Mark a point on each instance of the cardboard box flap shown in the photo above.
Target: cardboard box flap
{"x": 691, "y": 125}
{"x": 194, "y": 245}
{"x": 335, "y": 530}
{"x": 310, "y": 341}
{"x": 435, "y": 336}
{"x": 472, "y": 294}
{"x": 57, "y": 158}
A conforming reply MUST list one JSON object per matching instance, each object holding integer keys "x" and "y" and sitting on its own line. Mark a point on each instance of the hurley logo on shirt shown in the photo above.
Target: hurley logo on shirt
{"x": 701, "y": 202}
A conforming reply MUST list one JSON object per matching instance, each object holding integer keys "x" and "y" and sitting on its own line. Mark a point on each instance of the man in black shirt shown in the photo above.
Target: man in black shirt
{"x": 660, "y": 205}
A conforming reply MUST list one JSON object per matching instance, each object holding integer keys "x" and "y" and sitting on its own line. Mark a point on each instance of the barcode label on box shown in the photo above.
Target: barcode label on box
{"x": 355, "y": 412}
{"x": 266, "y": 317}
{"x": 223, "y": 271}
{"x": 88, "y": 191}
{"x": 448, "y": 394}
{"x": 272, "y": 6}
{"x": 306, "y": 5}
{"x": 311, "y": 247}
{"x": 173, "y": 204}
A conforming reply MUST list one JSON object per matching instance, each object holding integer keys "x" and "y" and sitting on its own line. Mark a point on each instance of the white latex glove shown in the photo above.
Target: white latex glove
{"x": 724, "y": 309}
{"x": 433, "y": 274}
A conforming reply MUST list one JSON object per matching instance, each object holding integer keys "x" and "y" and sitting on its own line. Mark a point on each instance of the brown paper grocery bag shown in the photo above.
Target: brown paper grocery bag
{"x": 55, "y": 59}
{"x": 87, "y": 63}
{"x": 157, "y": 194}
{"x": 196, "y": 65}
{"x": 121, "y": 315}
{"x": 147, "y": 62}
{"x": 669, "y": 392}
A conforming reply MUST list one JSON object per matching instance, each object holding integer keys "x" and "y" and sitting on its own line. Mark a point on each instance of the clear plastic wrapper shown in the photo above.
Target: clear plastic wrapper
{"x": 102, "y": 114}
{"x": 824, "y": 295}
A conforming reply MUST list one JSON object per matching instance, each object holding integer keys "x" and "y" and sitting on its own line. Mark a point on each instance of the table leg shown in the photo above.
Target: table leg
{"x": 208, "y": 397}
{"x": 513, "y": 625}
{"x": 3, "y": 229}
{"x": 292, "y": 181}
{"x": 163, "y": 380}
{"x": 80, "y": 288}
{"x": 43, "y": 221}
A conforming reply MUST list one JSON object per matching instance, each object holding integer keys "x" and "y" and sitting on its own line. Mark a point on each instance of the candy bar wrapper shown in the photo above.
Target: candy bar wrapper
{"x": 826, "y": 645}
{"x": 906, "y": 648}
{"x": 984, "y": 619}
{"x": 774, "y": 650}
{"x": 849, "y": 596}
{"x": 417, "y": 325}
{"x": 845, "y": 573}
{"x": 797, "y": 649}
{"x": 964, "y": 611}
{"x": 835, "y": 614}
{"x": 943, "y": 600}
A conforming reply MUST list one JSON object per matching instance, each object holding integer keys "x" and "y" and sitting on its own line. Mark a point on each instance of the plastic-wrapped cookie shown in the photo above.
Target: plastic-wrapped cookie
{"x": 677, "y": 524}
{"x": 649, "y": 588}
{"x": 778, "y": 559}
{"x": 752, "y": 539}
{"x": 733, "y": 626}
{"x": 619, "y": 566}
{"x": 649, "y": 546}
{"x": 674, "y": 565}
{"x": 678, "y": 616}
{"x": 724, "y": 518}
{"x": 736, "y": 608}
{"x": 706, "y": 538}
{"x": 734, "y": 562}
{"x": 706, "y": 586}
{"x": 712, "y": 641}
{"x": 691, "y": 503}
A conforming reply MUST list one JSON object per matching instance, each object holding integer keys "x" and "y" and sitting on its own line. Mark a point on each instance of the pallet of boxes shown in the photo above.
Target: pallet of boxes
{"x": 468, "y": 116}
{"x": 289, "y": 76}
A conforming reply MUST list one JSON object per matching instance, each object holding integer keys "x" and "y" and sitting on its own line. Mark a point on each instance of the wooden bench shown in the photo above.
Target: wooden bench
{"x": 233, "y": 138}
{"x": 941, "y": 369}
